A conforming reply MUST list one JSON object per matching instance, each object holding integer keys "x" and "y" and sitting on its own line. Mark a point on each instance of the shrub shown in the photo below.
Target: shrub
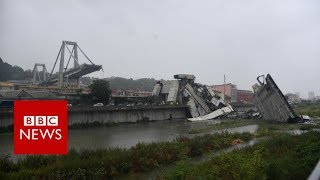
{"x": 280, "y": 157}
{"x": 115, "y": 162}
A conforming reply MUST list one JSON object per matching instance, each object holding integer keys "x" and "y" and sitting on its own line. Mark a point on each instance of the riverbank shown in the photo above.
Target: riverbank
{"x": 123, "y": 135}
{"x": 283, "y": 156}
{"x": 310, "y": 109}
{"x": 115, "y": 162}
{"x": 144, "y": 158}
{"x": 267, "y": 132}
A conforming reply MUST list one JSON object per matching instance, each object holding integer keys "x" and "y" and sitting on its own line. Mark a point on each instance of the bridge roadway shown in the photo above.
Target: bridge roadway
{"x": 75, "y": 73}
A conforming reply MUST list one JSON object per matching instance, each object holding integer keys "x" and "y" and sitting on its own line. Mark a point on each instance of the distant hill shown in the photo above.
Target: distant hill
{"x": 9, "y": 72}
{"x": 143, "y": 84}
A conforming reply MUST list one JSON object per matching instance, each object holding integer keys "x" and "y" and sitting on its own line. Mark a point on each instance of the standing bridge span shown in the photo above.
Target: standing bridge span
{"x": 66, "y": 77}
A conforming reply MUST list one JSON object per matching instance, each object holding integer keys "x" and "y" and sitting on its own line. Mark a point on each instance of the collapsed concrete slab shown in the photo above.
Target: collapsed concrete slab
{"x": 270, "y": 101}
{"x": 203, "y": 102}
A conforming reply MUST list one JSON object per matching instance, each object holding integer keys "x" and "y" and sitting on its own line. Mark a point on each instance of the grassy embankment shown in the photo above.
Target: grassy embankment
{"x": 282, "y": 156}
{"x": 115, "y": 162}
{"x": 273, "y": 158}
{"x": 312, "y": 110}
{"x": 265, "y": 127}
{"x": 232, "y": 123}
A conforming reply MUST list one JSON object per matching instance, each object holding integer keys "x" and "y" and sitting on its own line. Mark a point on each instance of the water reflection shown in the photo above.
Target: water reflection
{"x": 125, "y": 135}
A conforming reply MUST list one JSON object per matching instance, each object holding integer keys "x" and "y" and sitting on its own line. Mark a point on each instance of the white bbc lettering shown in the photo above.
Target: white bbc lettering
{"x": 52, "y": 121}
{"x": 36, "y": 134}
{"x": 28, "y": 120}
{"x": 41, "y": 120}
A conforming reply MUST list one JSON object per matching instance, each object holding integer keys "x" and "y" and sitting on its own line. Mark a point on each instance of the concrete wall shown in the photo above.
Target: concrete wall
{"x": 126, "y": 115}
{"x": 113, "y": 115}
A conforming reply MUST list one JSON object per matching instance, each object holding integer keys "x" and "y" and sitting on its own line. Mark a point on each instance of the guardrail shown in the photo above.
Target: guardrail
{"x": 315, "y": 175}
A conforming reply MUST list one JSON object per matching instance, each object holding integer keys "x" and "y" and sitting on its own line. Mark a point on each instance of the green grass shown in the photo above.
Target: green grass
{"x": 223, "y": 125}
{"x": 281, "y": 157}
{"x": 312, "y": 110}
{"x": 115, "y": 162}
{"x": 269, "y": 129}
{"x": 284, "y": 156}
{"x": 265, "y": 127}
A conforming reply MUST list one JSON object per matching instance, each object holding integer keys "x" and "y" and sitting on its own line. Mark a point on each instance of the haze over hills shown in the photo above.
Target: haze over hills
{"x": 13, "y": 72}
{"x": 143, "y": 84}
{"x": 9, "y": 72}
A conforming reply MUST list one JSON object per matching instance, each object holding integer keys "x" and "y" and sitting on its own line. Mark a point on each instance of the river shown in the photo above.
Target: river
{"x": 122, "y": 135}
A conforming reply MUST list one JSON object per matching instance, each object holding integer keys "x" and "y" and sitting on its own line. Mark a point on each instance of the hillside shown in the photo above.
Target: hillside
{"x": 9, "y": 72}
{"x": 12, "y": 72}
{"x": 144, "y": 84}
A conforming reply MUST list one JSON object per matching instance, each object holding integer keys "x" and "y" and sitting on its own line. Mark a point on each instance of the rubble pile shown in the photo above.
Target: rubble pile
{"x": 203, "y": 102}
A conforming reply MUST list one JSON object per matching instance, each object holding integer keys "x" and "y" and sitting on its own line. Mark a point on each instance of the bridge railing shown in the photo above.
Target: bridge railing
{"x": 315, "y": 175}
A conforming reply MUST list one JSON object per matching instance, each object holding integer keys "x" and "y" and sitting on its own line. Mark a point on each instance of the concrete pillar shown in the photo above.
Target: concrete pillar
{"x": 34, "y": 74}
{"x": 60, "y": 79}
{"x": 44, "y": 73}
{"x": 78, "y": 82}
{"x": 75, "y": 50}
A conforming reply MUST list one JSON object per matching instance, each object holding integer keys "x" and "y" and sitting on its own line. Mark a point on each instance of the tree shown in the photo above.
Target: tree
{"x": 100, "y": 91}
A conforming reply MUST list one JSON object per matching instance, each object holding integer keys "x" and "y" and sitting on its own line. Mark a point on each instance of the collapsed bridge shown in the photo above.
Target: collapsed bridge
{"x": 205, "y": 104}
{"x": 68, "y": 76}
{"x": 271, "y": 102}
{"x": 202, "y": 101}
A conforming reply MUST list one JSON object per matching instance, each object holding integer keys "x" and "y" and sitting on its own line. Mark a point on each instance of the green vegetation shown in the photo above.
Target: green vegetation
{"x": 143, "y": 84}
{"x": 265, "y": 127}
{"x": 281, "y": 157}
{"x": 9, "y": 72}
{"x": 100, "y": 91}
{"x": 312, "y": 110}
{"x": 12, "y": 72}
{"x": 223, "y": 125}
{"x": 115, "y": 162}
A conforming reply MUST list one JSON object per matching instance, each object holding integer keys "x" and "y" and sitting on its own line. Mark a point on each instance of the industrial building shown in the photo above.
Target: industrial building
{"x": 233, "y": 94}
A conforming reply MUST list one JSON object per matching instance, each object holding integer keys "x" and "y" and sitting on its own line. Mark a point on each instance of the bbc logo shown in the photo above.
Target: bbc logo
{"x": 40, "y": 127}
{"x": 40, "y": 120}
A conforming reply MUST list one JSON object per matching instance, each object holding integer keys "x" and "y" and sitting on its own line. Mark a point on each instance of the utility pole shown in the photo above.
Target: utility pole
{"x": 224, "y": 86}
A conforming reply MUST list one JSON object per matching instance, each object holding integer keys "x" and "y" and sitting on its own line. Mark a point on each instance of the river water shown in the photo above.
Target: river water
{"x": 124, "y": 135}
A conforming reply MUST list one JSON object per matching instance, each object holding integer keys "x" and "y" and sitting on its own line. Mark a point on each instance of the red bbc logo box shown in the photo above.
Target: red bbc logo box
{"x": 40, "y": 127}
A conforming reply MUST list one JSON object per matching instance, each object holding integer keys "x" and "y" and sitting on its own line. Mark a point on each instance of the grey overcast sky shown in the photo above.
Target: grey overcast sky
{"x": 159, "y": 38}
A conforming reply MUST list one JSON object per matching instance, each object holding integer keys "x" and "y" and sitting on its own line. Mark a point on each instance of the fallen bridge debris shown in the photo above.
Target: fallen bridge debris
{"x": 270, "y": 101}
{"x": 203, "y": 102}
